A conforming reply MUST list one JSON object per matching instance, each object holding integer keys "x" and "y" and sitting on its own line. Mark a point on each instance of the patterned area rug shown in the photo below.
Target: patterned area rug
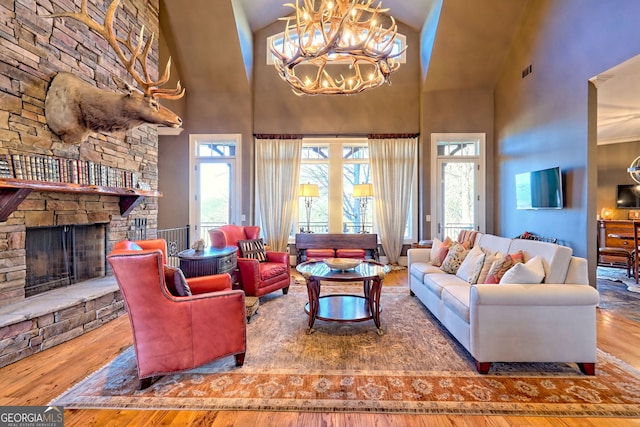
{"x": 414, "y": 368}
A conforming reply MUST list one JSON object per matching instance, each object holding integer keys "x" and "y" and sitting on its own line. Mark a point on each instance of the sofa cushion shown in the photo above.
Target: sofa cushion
{"x": 319, "y": 253}
{"x": 531, "y": 272}
{"x": 472, "y": 262}
{"x": 456, "y": 298}
{"x": 350, "y": 253}
{"x": 456, "y": 255}
{"x": 269, "y": 270}
{"x": 555, "y": 258}
{"x": 501, "y": 265}
{"x": 437, "y": 282}
{"x": 419, "y": 269}
{"x": 253, "y": 249}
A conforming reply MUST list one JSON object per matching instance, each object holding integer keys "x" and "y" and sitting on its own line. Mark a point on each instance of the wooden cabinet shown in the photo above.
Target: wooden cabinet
{"x": 615, "y": 242}
{"x": 615, "y": 233}
{"x": 209, "y": 261}
{"x": 14, "y": 191}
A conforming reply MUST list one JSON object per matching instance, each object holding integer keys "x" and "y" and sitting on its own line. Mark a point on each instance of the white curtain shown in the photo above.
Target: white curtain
{"x": 277, "y": 176}
{"x": 392, "y": 169}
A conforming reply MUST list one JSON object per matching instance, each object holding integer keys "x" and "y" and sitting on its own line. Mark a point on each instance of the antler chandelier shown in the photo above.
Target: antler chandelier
{"x": 336, "y": 47}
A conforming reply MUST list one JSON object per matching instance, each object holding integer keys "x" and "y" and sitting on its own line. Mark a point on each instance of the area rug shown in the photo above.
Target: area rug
{"x": 415, "y": 367}
{"x": 618, "y": 275}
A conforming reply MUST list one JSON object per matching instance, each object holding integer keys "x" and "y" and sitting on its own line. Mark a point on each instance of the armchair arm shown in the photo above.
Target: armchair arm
{"x": 249, "y": 274}
{"x": 533, "y": 295}
{"x": 279, "y": 257}
{"x": 214, "y": 283}
{"x": 418, "y": 255}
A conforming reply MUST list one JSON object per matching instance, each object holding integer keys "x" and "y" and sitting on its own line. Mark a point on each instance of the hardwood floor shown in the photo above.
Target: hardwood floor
{"x": 39, "y": 378}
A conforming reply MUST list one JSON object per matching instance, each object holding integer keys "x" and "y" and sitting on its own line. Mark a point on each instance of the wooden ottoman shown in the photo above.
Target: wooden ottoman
{"x": 251, "y": 305}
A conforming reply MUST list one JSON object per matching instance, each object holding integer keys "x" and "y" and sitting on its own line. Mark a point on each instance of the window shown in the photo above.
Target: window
{"x": 459, "y": 179}
{"x": 336, "y": 165}
{"x": 213, "y": 182}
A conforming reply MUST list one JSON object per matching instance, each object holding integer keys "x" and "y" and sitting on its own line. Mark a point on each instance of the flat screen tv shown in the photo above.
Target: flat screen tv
{"x": 628, "y": 196}
{"x": 541, "y": 189}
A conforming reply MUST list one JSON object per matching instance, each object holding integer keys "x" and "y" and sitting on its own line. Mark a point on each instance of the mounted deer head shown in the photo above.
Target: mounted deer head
{"x": 74, "y": 108}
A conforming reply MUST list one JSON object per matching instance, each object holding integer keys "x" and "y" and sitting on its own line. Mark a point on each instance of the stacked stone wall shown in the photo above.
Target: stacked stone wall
{"x": 33, "y": 49}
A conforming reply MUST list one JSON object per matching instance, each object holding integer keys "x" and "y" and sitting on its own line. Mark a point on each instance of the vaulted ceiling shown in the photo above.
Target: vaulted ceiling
{"x": 463, "y": 45}
{"x": 470, "y": 44}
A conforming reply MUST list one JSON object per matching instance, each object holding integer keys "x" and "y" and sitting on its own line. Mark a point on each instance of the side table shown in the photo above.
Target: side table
{"x": 209, "y": 261}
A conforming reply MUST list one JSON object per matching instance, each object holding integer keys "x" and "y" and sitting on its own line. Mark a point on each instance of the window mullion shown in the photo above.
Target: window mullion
{"x": 335, "y": 188}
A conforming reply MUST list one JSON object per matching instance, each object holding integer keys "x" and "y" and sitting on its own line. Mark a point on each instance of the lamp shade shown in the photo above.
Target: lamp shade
{"x": 363, "y": 190}
{"x": 309, "y": 190}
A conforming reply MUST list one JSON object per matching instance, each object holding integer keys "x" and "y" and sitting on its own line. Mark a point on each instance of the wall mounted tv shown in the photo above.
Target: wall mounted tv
{"x": 628, "y": 196}
{"x": 541, "y": 189}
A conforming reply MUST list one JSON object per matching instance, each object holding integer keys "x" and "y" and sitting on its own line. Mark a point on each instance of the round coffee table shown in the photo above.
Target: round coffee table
{"x": 344, "y": 307}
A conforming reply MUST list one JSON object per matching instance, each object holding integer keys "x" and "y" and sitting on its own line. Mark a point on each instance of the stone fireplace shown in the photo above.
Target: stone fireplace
{"x": 35, "y": 316}
{"x": 63, "y": 255}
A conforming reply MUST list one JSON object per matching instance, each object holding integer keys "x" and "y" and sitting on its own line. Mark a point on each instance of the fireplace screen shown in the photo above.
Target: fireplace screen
{"x": 61, "y": 256}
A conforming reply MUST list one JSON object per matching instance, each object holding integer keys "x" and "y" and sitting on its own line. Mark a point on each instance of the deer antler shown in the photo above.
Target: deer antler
{"x": 139, "y": 53}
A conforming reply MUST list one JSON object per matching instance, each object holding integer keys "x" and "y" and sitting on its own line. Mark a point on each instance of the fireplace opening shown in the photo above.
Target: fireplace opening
{"x": 63, "y": 255}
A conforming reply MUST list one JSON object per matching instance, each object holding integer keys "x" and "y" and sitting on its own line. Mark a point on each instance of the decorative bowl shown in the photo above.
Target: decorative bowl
{"x": 342, "y": 263}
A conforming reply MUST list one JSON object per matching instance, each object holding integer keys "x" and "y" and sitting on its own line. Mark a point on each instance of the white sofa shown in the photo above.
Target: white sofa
{"x": 554, "y": 321}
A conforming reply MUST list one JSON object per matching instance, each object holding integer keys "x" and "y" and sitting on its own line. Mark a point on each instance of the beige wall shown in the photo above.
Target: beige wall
{"x": 543, "y": 120}
{"x": 388, "y": 109}
{"x": 454, "y": 111}
{"x": 273, "y": 108}
{"x": 613, "y": 161}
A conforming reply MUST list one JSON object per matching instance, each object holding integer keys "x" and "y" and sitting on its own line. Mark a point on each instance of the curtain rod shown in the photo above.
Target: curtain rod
{"x": 344, "y": 135}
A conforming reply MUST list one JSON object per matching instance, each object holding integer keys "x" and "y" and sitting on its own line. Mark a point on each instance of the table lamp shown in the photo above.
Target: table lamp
{"x": 363, "y": 192}
{"x": 308, "y": 191}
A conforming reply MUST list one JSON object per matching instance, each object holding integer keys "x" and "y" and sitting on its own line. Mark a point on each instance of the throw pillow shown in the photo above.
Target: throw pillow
{"x": 489, "y": 259}
{"x": 531, "y": 272}
{"x": 501, "y": 266}
{"x": 176, "y": 282}
{"x": 477, "y": 269}
{"x": 474, "y": 258}
{"x": 253, "y": 249}
{"x": 443, "y": 250}
{"x": 454, "y": 259}
{"x": 435, "y": 247}
{"x": 467, "y": 238}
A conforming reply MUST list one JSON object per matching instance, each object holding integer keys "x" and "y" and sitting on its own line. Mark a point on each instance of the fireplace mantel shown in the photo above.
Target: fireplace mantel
{"x": 14, "y": 191}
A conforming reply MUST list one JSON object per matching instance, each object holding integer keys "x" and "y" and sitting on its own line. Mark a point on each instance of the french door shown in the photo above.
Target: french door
{"x": 214, "y": 183}
{"x": 458, "y": 177}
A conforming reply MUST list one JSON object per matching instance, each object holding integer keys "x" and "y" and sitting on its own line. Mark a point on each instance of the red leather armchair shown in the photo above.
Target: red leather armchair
{"x": 257, "y": 278}
{"x": 197, "y": 285}
{"x": 174, "y": 333}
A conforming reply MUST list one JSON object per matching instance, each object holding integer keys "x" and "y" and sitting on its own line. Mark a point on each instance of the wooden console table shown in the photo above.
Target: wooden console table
{"x": 14, "y": 191}
{"x": 366, "y": 241}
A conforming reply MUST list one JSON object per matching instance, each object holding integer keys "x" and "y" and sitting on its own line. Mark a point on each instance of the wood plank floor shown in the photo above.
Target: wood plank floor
{"x": 39, "y": 378}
